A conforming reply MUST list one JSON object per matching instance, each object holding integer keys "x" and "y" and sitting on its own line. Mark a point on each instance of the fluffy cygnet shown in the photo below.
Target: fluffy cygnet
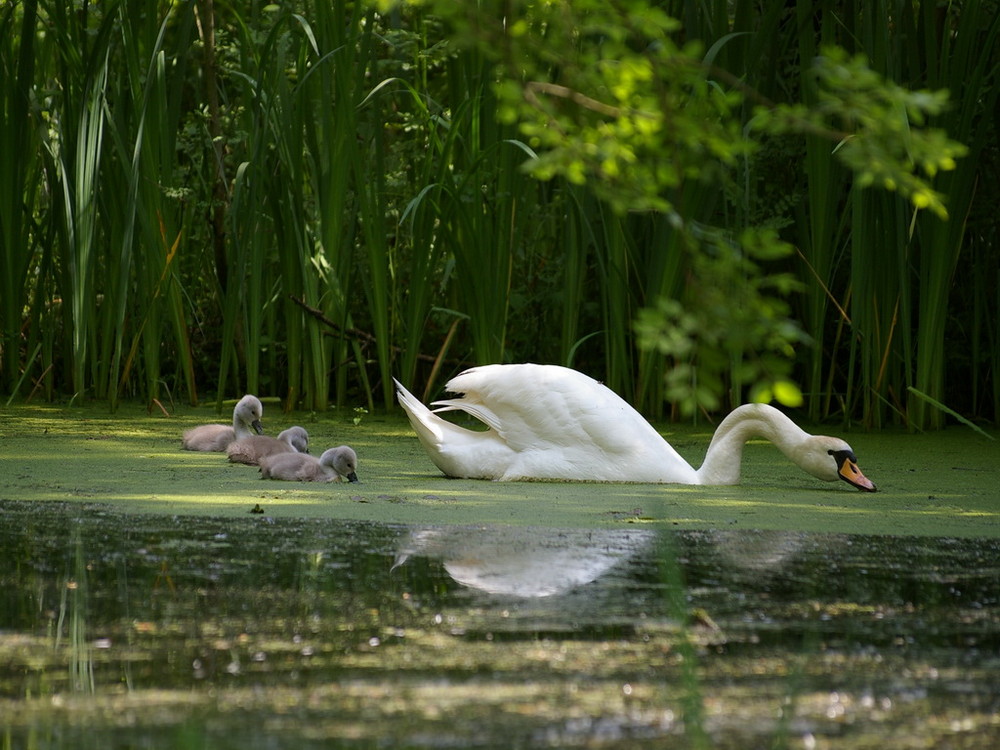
{"x": 252, "y": 449}
{"x": 216, "y": 437}
{"x": 335, "y": 465}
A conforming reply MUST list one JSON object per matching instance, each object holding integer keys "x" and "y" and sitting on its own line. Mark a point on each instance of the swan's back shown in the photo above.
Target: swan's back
{"x": 562, "y": 424}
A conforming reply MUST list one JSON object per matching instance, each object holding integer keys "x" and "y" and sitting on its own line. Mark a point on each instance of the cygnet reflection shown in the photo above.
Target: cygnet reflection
{"x": 524, "y": 562}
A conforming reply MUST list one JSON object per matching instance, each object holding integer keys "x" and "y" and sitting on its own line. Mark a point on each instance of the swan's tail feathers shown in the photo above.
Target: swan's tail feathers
{"x": 429, "y": 427}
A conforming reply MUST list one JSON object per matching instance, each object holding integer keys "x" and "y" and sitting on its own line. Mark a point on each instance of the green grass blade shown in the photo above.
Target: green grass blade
{"x": 951, "y": 412}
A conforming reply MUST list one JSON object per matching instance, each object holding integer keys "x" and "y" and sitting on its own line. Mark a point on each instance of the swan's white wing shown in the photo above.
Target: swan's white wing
{"x": 544, "y": 405}
{"x": 561, "y": 423}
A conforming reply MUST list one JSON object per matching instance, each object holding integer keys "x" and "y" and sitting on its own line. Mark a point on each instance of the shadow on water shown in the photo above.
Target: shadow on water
{"x": 156, "y": 631}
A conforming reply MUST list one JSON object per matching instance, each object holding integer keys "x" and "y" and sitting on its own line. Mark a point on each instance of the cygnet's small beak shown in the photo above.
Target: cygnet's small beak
{"x": 257, "y": 426}
{"x": 851, "y": 474}
{"x": 353, "y": 477}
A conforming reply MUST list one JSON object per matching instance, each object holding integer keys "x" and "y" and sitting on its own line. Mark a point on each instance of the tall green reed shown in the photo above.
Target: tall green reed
{"x": 310, "y": 173}
{"x": 954, "y": 59}
{"x": 272, "y": 149}
{"x": 20, "y": 181}
{"x": 143, "y": 277}
{"x": 369, "y": 170}
{"x": 896, "y": 266}
{"x": 878, "y": 275}
{"x": 329, "y": 95}
{"x": 418, "y": 268}
{"x": 482, "y": 223}
{"x": 822, "y": 229}
{"x": 83, "y": 61}
{"x": 96, "y": 162}
{"x": 616, "y": 265}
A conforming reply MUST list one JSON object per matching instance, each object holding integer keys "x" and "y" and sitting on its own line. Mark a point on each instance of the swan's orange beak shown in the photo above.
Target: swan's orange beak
{"x": 851, "y": 474}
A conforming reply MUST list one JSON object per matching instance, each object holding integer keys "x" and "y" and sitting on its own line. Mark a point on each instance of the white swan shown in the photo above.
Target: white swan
{"x": 334, "y": 465}
{"x": 215, "y": 437}
{"x": 550, "y": 422}
{"x": 250, "y": 450}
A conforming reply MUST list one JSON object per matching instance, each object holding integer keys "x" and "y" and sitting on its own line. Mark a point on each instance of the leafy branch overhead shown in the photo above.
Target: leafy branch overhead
{"x": 608, "y": 97}
{"x": 617, "y": 97}
{"x": 880, "y": 128}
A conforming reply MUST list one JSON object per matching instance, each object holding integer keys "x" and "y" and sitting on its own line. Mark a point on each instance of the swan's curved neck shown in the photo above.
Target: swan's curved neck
{"x": 725, "y": 453}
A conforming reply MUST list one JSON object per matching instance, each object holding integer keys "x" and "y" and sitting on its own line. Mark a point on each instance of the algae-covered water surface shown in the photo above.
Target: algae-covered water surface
{"x": 142, "y": 604}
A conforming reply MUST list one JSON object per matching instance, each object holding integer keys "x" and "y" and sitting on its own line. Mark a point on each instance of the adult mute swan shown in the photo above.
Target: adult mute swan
{"x": 216, "y": 437}
{"x": 334, "y": 465}
{"x": 550, "y": 422}
{"x": 250, "y": 450}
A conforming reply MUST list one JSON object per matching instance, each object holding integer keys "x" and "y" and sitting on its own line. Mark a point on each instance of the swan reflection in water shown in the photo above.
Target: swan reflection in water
{"x": 525, "y": 561}
{"x": 531, "y": 562}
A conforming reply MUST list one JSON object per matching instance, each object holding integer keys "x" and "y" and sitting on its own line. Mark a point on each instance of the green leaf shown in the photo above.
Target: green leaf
{"x": 788, "y": 393}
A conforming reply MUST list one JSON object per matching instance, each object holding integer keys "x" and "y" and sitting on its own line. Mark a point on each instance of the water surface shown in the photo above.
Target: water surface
{"x": 122, "y": 630}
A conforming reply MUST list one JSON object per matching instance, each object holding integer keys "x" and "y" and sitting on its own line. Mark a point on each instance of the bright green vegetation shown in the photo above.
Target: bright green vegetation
{"x": 304, "y": 199}
{"x": 941, "y": 483}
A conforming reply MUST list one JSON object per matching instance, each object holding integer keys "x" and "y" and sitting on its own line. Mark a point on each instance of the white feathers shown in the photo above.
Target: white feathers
{"x": 550, "y": 422}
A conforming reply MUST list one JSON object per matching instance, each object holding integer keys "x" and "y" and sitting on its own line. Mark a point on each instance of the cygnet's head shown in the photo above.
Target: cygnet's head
{"x": 249, "y": 411}
{"x": 296, "y": 437}
{"x": 342, "y": 460}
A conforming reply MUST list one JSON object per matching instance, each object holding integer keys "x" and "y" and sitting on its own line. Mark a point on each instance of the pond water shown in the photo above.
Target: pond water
{"x": 142, "y": 631}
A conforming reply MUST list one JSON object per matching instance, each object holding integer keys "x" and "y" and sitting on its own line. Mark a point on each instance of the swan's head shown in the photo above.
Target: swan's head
{"x": 831, "y": 459}
{"x": 847, "y": 469}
